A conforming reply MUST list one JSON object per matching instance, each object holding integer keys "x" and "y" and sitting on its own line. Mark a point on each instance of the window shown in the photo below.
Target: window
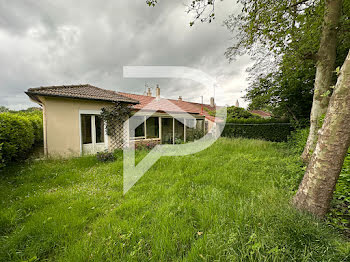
{"x": 140, "y": 129}
{"x": 152, "y": 127}
{"x": 86, "y": 129}
{"x": 92, "y": 129}
{"x": 100, "y": 134}
{"x": 200, "y": 124}
{"x": 179, "y": 130}
{"x": 190, "y": 131}
{"x": 167, "y": 130}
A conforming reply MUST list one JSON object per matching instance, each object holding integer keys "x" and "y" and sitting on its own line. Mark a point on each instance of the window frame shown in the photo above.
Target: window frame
{"x": 93, "y": 113}
{"x": 146, "y": 117}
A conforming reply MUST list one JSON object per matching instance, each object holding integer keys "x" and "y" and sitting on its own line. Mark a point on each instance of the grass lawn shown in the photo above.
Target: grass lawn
{"x": 227, "y": 203}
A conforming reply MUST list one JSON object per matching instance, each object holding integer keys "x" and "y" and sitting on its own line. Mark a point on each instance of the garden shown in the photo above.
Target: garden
{"x": 274, "y": 187}
{"x": 229, "y": 202}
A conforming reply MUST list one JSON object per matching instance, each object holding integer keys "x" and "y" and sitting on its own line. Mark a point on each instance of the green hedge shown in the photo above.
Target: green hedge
{"x": 18, "y": 133}
{"x": 1, "y": 159}
{"x": 266, "y": 129}
{"x": 36, "y": 118}
{"x": 297, "y": 140}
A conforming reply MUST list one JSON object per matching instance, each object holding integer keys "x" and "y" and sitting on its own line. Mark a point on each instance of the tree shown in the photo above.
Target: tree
{"x": 291, "y": 84}
{"x": 287, "y": 93}
{"x": 290, "y": 31}
{"x": 316, "y": 190}
{"x": 3, "y": 109}
{"x": 234, "y": 112}
{"x": 276, "y": 25}
{"x": 326, "y": 58}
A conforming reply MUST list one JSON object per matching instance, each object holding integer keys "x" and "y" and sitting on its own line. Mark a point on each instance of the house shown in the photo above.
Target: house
{"x": 73, "y": 126}
{"x": 262, "y": 114}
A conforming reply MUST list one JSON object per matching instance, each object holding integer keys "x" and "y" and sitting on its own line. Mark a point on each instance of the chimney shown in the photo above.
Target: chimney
{"x": 180, "y": 98}
{"x": 212, "y": 102}
{"x": 157, "y": 91}
{"x": 149, "y": 93}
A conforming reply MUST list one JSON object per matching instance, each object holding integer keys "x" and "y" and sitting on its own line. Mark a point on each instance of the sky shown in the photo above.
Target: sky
{"x": 62, "y": 42}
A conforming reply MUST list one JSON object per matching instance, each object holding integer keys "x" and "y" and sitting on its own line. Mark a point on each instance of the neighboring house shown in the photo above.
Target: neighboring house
{"x": 72, "y": 125}
{"x": 261, "y": 113}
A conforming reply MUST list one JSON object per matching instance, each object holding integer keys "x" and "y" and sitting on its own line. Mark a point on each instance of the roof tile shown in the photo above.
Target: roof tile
{"x": 82, "y": 92}
{"x": 189, "y": 107}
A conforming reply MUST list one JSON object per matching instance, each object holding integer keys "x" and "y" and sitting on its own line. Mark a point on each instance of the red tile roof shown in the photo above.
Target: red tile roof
{"x": 140, "y": 101}
{"x": 88, "y": 92}
{"x": 188, "y": 107}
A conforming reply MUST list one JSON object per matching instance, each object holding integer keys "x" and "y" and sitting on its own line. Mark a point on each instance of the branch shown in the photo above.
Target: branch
{"x": 199, "y": 7}
{"x": 151, "y": 2}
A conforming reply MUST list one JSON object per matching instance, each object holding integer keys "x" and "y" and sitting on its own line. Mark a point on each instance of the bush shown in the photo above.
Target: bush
{"x": 267, "y": 129}
{"x": 297, "y": 140}
{"x": 105, "y": 156}
{"x": 1, "y": 159}
{"x": 239, "y": 113}
{"x": 146, "y": 145}
{"x": 36, "y": 118}
{"x": 16, "y": 136}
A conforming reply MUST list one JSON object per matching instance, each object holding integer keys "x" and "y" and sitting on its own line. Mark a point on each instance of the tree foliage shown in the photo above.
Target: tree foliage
{"x": 287, "y": 86}
{"x": 234, "y": 112}
{"x": 283, "y": 38}
{"x": 3, "y": 109}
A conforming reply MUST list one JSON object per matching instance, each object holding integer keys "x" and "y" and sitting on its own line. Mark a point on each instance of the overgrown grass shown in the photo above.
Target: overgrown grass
{"x": 227, "y": 203}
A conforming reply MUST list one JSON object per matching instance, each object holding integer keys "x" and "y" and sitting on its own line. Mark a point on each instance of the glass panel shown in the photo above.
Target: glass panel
{"x": 86, "y": 129}
{"x": 199, "y": 131}
{"x": 179, "y": 132}
{"x": 190, "y": 132}
{"x": 167, "y": 130}
{"x": 140, "y": 130}
{"x": 152, "y": 126}
{"x": 100, "y": 130}
{"x": 200, "y": 124}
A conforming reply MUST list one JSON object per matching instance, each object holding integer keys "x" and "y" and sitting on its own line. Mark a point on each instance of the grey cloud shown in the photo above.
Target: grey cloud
{"x": 67, "y": 42}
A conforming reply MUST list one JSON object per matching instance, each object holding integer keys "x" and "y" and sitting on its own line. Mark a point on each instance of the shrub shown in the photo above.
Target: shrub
{"x": 105, "y": 156}
{"x": 1, "y": 159}
{"x": 194, "y": 134}
{"x": 37, "y": 122}
{"x": 267, "y": 129}
{"x": 146, "y": 144}
{"x": 36, "y": 118}
{"x": 16, "y": 136}
{"x": 297, "y": 140}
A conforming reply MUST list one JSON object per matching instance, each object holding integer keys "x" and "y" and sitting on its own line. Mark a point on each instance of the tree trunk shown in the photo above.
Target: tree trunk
{"x": 324, "y": 68}
{"x": 316, "y": 190}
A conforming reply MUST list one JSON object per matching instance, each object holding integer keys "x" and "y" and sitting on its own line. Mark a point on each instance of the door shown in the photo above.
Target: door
{"x": 92, "y": 134}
